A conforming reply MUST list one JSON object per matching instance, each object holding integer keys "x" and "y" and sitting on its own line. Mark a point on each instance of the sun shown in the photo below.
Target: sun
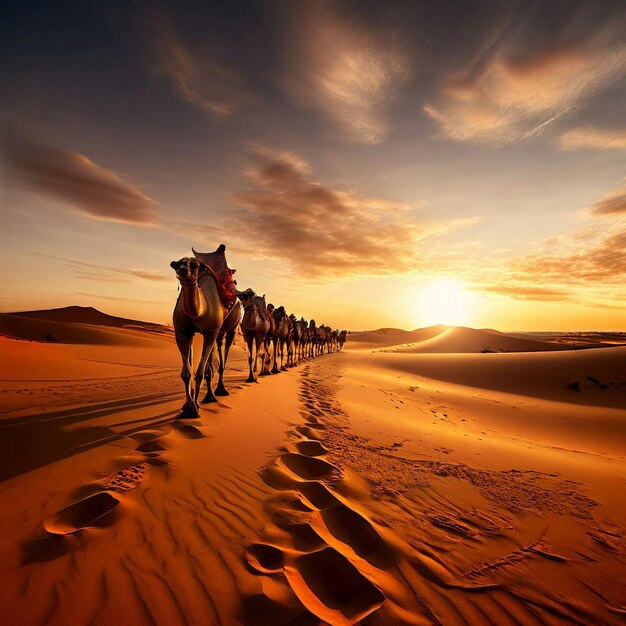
{"x": 443, "y": 301}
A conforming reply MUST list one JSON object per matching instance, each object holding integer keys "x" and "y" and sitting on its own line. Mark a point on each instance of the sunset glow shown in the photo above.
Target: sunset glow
{"x": 444, "y": 301}
{"x": 337, "y": 153}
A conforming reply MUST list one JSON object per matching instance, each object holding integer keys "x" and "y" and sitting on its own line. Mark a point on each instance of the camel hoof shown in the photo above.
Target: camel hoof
{"x": 189, "y": 412}
{"x": 222, "y": 391}
{"x": 264, "y": 374}
{"x": 283, "y": 369}
{"x": 208, "y": 399}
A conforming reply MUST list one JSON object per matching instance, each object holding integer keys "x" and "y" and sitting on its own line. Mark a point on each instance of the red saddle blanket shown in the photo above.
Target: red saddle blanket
{"x": 215, "y": 265}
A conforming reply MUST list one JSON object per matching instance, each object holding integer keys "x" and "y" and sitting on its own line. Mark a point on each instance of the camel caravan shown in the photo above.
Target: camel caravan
{"x": 210, "y": 304}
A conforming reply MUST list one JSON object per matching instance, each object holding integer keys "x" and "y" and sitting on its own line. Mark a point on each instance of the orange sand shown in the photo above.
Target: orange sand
{"x": 410, "y": 479}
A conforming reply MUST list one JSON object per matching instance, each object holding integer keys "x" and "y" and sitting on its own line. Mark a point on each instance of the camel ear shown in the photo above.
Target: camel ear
{"x": 194, "y": 264}
{"x": 232, "y": 272}
{"x": 174, "y": 264}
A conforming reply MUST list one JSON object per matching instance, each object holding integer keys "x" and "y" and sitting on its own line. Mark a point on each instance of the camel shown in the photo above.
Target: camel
{"x": 255, "y": 327}
{"x": 198, "y": 309}
{"x": 280, "y": 336}
{"x": 343, "y": 336}
{"x": 229, "y": 327}
{"x": 267, "y": 344}
{"x": 294, "y": 341}
{"x": 304, "y": 338}
{"x": 312, "y": 339}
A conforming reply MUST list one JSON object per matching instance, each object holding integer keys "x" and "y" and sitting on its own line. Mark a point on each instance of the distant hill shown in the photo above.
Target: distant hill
{"x": 87, "y": 315}
{"x": 78, "y": 324}
{"x": 459, "y": 339}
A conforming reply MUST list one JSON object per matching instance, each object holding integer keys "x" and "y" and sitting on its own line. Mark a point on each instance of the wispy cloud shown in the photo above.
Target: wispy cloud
{"x": 592, "y": 137}
{"x": 197, "y": 76}
{"x": 613, "y": 203}
{"x": 524, "y": 292}
{"x": 73, "y": 178}
{"x": 322, "y": 231}
{"x": 105, "y": 273}
{"x": 586, "y": 265}
{"x": 98, "y": 296}
{"x": 347, "y": 72}
{"x": 593, "y": 255}
{"x": 518, "y": 90}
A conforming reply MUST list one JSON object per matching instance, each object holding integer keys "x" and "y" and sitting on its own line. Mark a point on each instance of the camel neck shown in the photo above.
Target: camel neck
{"x": 193, "y": 302}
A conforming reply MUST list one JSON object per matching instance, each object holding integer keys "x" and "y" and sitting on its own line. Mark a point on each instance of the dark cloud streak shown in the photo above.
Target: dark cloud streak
{"x": 323, "y": 232}
{"x": 71, "y": 177}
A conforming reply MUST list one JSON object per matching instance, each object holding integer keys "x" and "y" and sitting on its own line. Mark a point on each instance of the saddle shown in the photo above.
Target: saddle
{"x": 261, "y": 307}
{"x": 215, "y": 265}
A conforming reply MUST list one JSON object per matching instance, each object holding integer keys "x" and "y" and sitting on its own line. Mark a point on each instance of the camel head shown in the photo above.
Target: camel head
{"x": 246, "y": 296}
{"x": 186, "y": 269}
{"x": 270, "y": 307}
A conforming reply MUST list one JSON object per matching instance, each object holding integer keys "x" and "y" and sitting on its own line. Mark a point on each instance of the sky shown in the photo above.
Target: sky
{"x": 367, "y": 163}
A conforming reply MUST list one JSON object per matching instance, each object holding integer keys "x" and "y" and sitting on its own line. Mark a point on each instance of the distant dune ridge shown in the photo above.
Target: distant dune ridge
{"x": 73, "y": 324}
{"x": 442, "y": 475}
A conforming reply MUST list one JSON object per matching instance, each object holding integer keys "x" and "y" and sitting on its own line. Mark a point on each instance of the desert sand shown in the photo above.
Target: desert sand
{"x": 440, "y": 476}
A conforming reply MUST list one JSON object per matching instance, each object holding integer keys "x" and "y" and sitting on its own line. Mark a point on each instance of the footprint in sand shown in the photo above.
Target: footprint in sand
{"x": 188, "y": 430}
{"x": 310, "y": 433}
{"x": 353, "y": 529}
{"x": 91, "y": 511}
{"x": 326, "y": 583}
{"x": 126, "y": 479}
{"x": 342, "y": 522}
{"x": 307, "y": 467}
{"x": 332, "y": 588}
{"x": 264, "y": 558}
{"x": 310, "y": 448}
{"x": 151, "y": 446}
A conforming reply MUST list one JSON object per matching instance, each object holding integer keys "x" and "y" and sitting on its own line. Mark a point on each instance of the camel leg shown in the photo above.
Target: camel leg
{"x": 208, "y": 377}
{"x": 276, "y": 348}
{"x": 184, "y": 341}
{"x": 207, "y": 349}
{"x": 282, "y": 355}
{"x": 266, "y": 359}
{"x": 251, "y": 357}
{"x": 220, "y": 390}
{"x": 263, "y": 354}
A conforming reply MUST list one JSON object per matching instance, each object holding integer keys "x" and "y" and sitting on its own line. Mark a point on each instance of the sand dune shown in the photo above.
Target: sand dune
{"x": 595, "y": 376}
{"x": 87, "y": 315}
{"x": 393, "y": 483}
{"x": 395, "y": 336}
{"x": 80, "y": 325}
{"x": 458, "y": 340}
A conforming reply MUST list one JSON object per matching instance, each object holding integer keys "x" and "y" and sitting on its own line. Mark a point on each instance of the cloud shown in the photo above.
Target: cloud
{"x": 199, "y": 78}
{"x": 104, "y": 273}
{"x": 524, "y": 292}
{"x": 73, "y": 178}
{"x": 348, "y": 73}
{"x": 594, "y": 260}
{"x": 516, "y": 94}
{"x": 322, "y": 231}
{"x": 99, "y": 296}
{"x": 593, "y": 138}
{"x": 586, "y": 266}
{"x": 613, "y": 203}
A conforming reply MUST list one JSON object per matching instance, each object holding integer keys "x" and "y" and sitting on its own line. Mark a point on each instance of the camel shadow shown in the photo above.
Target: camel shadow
{"x": 36, "y": 440}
